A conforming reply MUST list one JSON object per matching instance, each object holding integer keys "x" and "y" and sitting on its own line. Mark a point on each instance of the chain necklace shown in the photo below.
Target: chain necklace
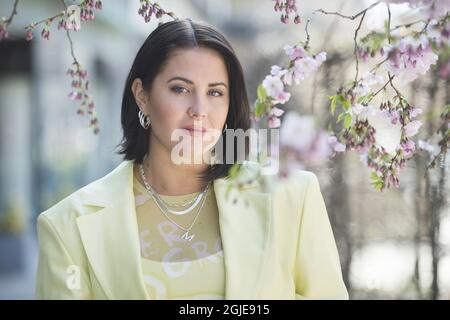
{"x": 186, "y": 236}
{"x": 161, "y": 202}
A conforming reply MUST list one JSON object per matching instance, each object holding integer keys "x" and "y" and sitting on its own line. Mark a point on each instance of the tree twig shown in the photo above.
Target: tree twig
{"x": 388, "y": 29}
{"x": 355, "y": 49}
{"x": 72, "y": 53}
{"x": 406, "y": 25}
{"x": 307, "y": 34}
{"x": 378, "y": 65}
{"x": 5, "y": 22}
{"x": 13, "y": 13}
{"x": 348, "y": 17}
{"x": 382, "y": 88}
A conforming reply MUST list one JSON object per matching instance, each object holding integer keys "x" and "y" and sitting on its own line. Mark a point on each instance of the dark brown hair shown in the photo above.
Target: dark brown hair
{"x": 149, "y": 61}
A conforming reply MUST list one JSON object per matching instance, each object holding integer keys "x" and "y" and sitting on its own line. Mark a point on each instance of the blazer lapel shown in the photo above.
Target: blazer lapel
{"x": 111, "y": 240}
{"x": 244, "y": 219}
{"x": 110, "y": 236}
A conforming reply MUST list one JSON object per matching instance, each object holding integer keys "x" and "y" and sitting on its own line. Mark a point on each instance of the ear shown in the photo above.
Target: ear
{"x": 140, "y": 96}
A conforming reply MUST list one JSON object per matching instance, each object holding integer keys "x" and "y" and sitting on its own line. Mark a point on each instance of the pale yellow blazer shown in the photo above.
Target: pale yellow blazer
{"x": 277, "y": 241}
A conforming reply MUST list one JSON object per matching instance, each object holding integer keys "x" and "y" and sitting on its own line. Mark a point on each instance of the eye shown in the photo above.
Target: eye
{"x": 179, "y": 89}
{"x": 216, "y": 93}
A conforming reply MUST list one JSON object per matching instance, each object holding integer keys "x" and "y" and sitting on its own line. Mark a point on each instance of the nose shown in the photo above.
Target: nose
{"x": 198, "y": 109}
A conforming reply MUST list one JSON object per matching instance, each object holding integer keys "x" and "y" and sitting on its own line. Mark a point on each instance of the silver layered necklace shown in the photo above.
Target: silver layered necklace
{"x": 163, "y": 206}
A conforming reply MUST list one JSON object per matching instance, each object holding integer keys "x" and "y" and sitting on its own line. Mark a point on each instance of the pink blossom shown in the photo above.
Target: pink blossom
{"x": 3, "y": 32}
{"x": 393, "y": 115}
{"x": 29, "y": 34}
{"x": 303, "y": 65}
{"x": 321, "y": 57}
{"x": 337, "y": 146}
{"x": 73, "y": 18}
{"x": 297, "y": 132}
{"x": 363, "y": 87}
{"x": 409, "y": 58}
{"x": 282, "y": 97}
{"x": 412, "y": 128}
{"x": 273, "y": 85}
{"x": 362, "y": 111}
{"x": 288, "y": 6}
{"x": 277, "y": 111}
{"x": 428, "y": 147}
{"x": 302, "y": 141}
{"x": 274, "y": 121}
{"x": 319, "y": 150}
{"x": 408, "y": 147}
{"x": 45, "y": 33}
{"x": 415, "y": 112}
{"x": 277, "y": 71}
{"x": 432, "y": 7}
{"x": 294, "y": 52}
{"x": 274, "y": 89}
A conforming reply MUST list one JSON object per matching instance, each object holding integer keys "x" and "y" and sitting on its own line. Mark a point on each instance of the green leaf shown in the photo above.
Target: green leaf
{"x": 234, "y": 170}
{"x": 333, "y": 103}
{"x": 340, "y": 117}
{"x": 346, "y": 104}
{"x": 374, "y": 176}
{"x": 377, "y": 183}
{"x": 262, "y": 94}
{"x": 260, "y": 108}
{"x": 365, "y": 98}
{"x": 347, "y": 120}
{"x": 361, "y": 99}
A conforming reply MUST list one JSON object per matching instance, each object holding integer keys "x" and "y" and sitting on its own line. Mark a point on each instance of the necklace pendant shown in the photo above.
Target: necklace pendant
{"x": 187, "y": 237}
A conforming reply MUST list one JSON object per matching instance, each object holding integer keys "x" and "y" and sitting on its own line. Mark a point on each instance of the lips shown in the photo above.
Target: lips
{"x": 195, "y": 128}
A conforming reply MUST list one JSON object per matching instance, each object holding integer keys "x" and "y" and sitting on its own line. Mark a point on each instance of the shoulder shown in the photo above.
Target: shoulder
{"x": 290, "y": 193}
{"x": 304, "y": 177}
{"x": 85, "y": 200}
{"x": 300, "y": 182}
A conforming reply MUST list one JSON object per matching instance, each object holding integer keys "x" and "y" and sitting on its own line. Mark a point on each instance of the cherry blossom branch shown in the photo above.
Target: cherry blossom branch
{"x": 308, "y": 38}
{"x": 5, "y": 22}
{"x": 353, "y": 17}
{"x": 362, "y": 13}
{"x": 404, "y": 58}
{"x": 407, "y": 25}
{"x": 355, "y": 51}
{"x": 33, "y": 25}
{"x": 149, "y": 9}
{"x": 381, "y": 89}
{"x": 289, "y": 6}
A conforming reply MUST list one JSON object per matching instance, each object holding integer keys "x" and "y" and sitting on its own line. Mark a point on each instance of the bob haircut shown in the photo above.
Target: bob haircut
{"x": 151, "y": 59}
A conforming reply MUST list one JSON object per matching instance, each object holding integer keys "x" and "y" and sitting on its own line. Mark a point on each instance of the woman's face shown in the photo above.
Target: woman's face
{"x": 192, "y": 89}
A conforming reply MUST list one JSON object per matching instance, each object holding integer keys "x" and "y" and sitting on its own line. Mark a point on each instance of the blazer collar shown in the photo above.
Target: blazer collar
{"x": 111, "y": 241}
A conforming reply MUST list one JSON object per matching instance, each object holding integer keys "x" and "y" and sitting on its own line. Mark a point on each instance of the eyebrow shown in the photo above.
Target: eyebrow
{"x": 214, "y": 84}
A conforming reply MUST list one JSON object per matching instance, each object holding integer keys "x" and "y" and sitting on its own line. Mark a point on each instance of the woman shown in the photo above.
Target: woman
{"x": 159, "y": 228}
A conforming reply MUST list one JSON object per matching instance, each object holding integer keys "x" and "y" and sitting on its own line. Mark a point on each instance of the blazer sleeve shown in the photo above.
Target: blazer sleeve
{"x": 58, "y": 275}
{"x": 318, "y": 272}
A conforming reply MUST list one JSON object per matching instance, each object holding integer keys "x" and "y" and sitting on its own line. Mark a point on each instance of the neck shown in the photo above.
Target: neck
{"x": 168, "y": 178}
